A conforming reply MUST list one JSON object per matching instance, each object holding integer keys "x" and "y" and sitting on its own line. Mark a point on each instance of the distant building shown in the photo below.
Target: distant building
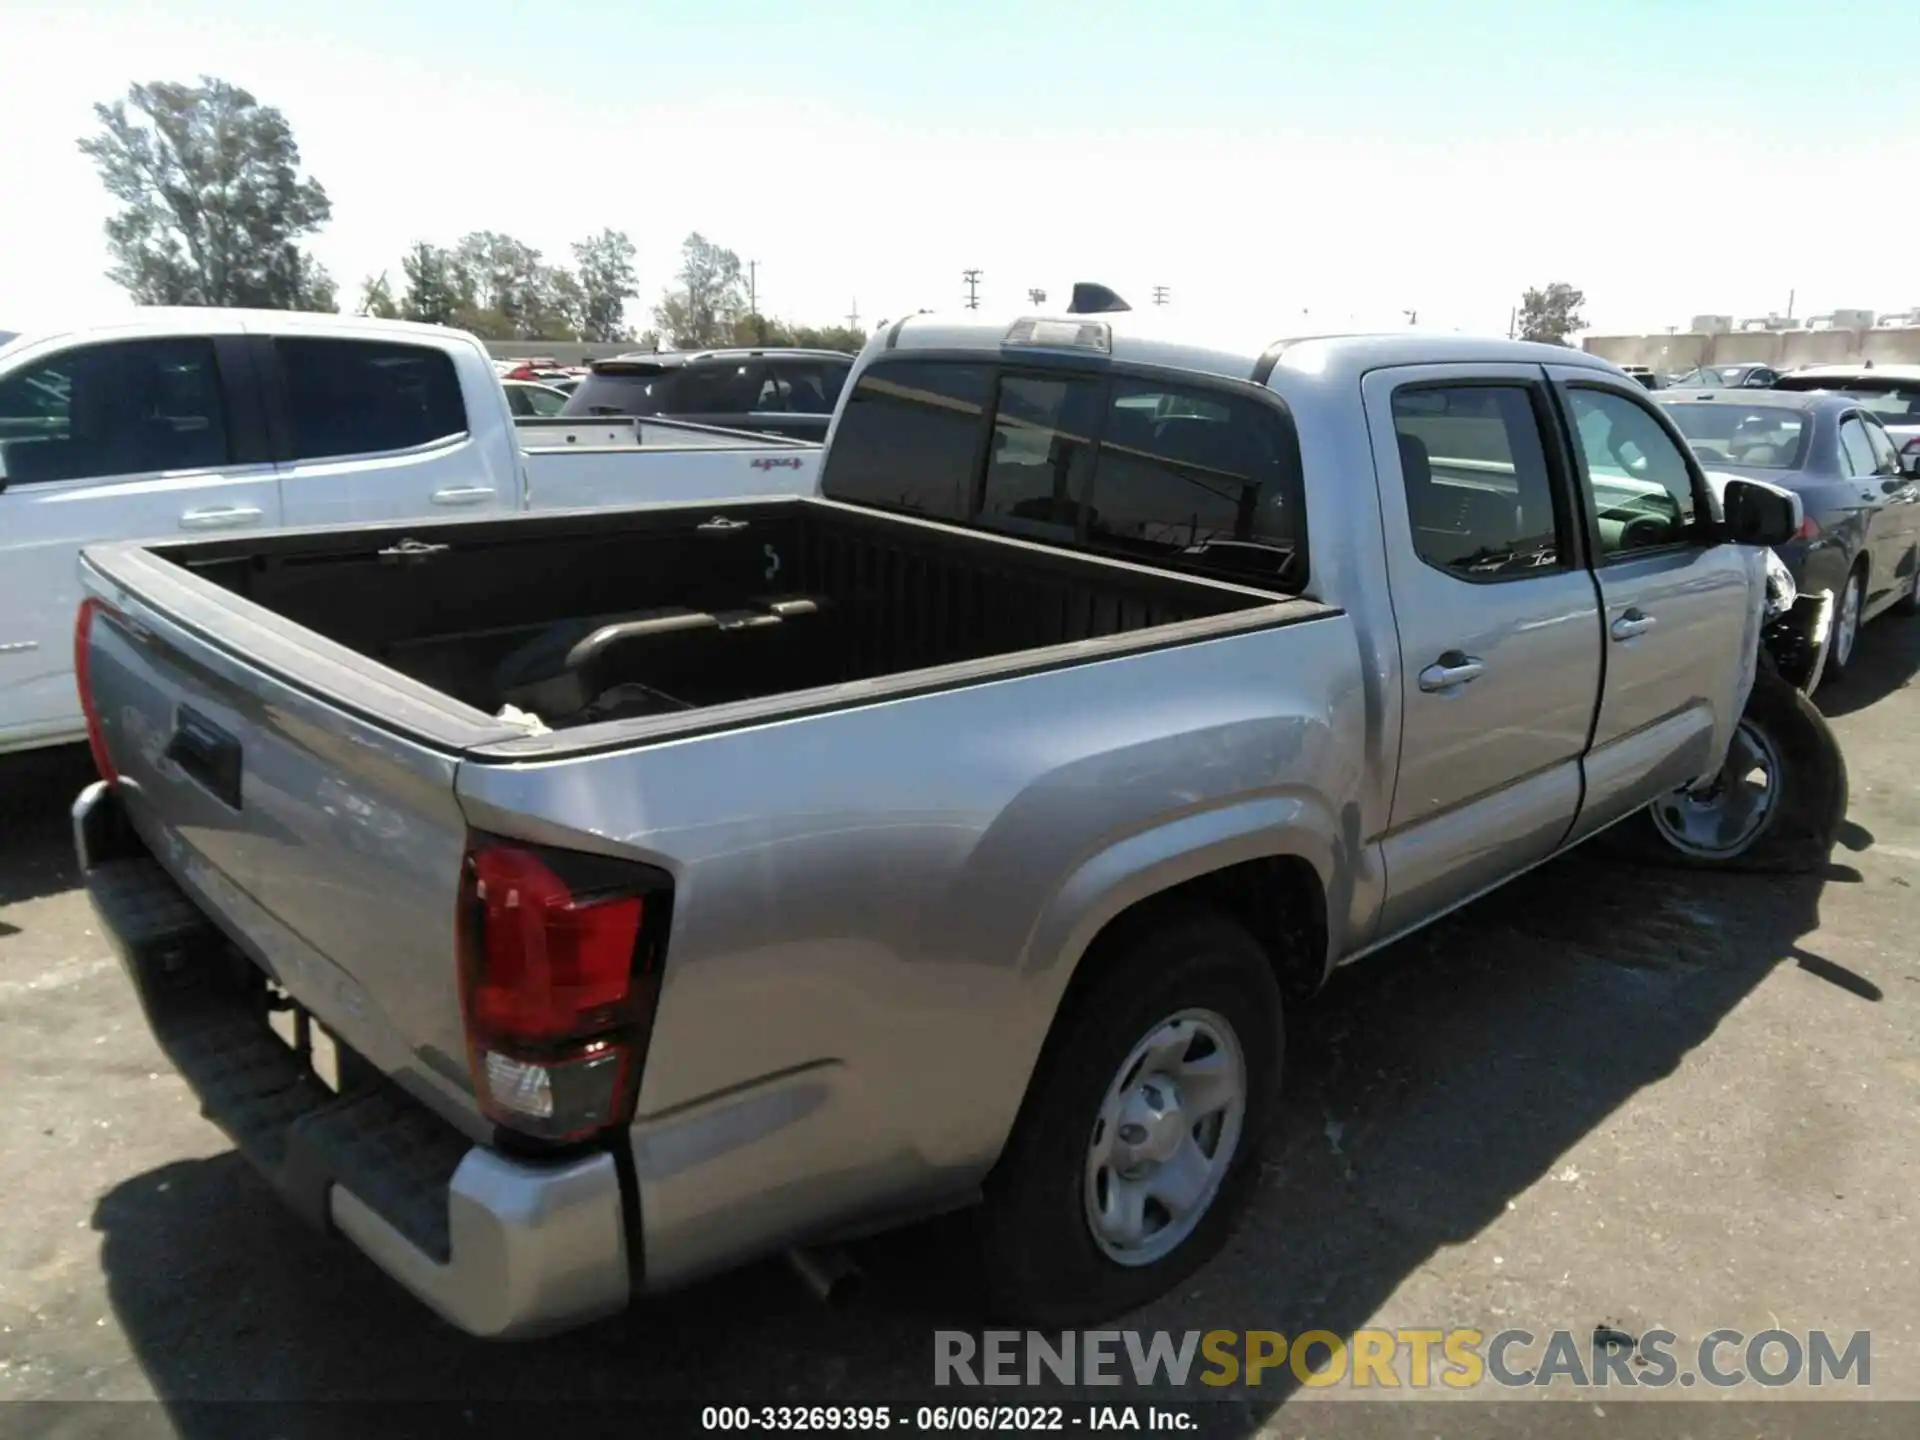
{"x": 1710, "y": 324}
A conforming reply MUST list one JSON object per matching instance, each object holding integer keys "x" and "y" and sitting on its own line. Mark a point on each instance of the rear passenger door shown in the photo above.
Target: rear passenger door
{"x": 375, "y": 429}
{"x": 1498, "y": 623}
{"x": 123, "y": 440}
{"x": 1677, "y": 607}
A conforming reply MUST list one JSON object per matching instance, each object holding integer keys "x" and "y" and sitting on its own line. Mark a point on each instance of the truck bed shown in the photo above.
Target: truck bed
{"x": 660, "y": 614}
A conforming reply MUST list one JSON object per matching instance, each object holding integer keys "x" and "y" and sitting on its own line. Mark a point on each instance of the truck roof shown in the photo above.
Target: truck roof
{"x": 213, "y": 320}
{"x": 1238, "y": 351}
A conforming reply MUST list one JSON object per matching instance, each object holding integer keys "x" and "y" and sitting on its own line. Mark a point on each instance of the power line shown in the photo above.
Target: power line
{"x": 972, "y": 277}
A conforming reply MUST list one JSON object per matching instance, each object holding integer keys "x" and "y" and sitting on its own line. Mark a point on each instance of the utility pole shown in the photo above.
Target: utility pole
{"x": 1790, "y": 295}
{"x": 1512, "y": 313}
{"x": 753, "y": 301}
{"x": 1413, "y": 316}
{"x": 1161, "y": 294}
{"x": 972, "y": 277}
{"x": 1036, "y": 297}
{"x": 853, "y": 316}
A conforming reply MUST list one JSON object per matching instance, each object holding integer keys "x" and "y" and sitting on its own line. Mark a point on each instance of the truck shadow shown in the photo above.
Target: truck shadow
{"x": 37, "y": 790}
{"x": 1430, "y": 1086}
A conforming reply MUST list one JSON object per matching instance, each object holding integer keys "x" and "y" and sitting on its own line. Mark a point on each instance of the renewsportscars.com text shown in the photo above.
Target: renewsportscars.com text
{"x": 1374, "y": 1359}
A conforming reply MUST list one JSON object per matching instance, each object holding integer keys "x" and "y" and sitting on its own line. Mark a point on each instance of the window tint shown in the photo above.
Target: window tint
{"x": 1642, "y": 488}
{"x": 1479, "y": 494}
{"x": 615, "y": 388}
{"x": 1886, "y": 459}
{"x": 519, "y": 401}
{"x": 723, "y": 388}
{"x": 1855, "y": 449}
{"x": 124, "y": 409}
{"x": 804, "y": 387}
{"x": 1041, "y": 456}
{"x": 909, "y": 438}
{"x": 361, "y": 397}
{"x": 1200, "y": 478}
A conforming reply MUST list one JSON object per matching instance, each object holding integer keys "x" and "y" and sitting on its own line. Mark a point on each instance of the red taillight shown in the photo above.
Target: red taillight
{"x": 558, "y": 976}
{"x": 83, "y": 678}
{"x": 1809, "y": 529}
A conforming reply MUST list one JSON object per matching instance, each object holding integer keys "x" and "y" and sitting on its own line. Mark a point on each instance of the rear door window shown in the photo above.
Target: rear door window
{"x": 135, "y": 407}
{"x": 805, "y": 387}
{"x": 1855, "y": 449}
{"x": 1886, "y": 459}
{"x": 367, "y": 397}
{"x": 730, "y": 387}
{"x": 910, "y": 438}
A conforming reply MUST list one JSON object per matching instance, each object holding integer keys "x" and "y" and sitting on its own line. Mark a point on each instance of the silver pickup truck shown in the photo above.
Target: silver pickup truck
{"x": 564, "y": 907}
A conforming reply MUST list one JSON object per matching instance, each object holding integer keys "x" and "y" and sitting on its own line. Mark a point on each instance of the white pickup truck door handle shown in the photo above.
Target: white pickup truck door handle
{"x": 1450, "y": 670}
{"x": 463, "y": 495}
{"x": 1631, "y": 624}
{"x": 220, "y": 517}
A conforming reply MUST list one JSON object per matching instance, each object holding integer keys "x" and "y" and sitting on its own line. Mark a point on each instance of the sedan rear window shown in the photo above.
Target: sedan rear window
{"x": 1763, "y": 437}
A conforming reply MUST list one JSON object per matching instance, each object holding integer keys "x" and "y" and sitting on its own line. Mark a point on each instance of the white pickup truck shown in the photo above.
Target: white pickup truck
{"x": 216, "y": 420}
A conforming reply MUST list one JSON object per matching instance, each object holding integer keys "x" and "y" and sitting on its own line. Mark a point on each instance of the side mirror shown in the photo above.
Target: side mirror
{"x": 1759, "y": 514}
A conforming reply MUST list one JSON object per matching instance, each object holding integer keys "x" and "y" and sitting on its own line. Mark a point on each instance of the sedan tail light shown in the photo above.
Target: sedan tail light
{"x": 560, "y": 958}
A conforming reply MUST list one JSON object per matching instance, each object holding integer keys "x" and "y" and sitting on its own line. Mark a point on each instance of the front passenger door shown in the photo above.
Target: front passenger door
{"x": 1499, "y": 629}
{"x": 1678, "y": 610}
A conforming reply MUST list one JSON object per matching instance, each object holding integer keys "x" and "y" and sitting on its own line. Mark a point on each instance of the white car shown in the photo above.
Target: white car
{"x": 218, "y": 420}
{"x": 525, "y": 398}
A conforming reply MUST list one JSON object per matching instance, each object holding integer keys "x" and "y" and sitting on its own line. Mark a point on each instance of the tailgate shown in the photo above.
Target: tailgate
{"x": 325, "y": 842}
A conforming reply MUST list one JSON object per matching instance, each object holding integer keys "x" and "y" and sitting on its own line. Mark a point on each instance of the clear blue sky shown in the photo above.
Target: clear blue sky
{"x": 1349, "y": 159}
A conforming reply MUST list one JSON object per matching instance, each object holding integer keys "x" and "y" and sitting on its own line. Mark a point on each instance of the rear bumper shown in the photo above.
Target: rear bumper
{"x": 501, "y": 1248}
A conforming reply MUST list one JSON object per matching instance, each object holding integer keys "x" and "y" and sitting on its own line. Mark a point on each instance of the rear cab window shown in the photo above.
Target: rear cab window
{"x": 367, "y": 397}
{"x": 1187, "y": 475}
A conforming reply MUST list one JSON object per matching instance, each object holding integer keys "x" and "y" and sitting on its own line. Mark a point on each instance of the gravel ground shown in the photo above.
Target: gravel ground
{"x": 1606, "y": 1096}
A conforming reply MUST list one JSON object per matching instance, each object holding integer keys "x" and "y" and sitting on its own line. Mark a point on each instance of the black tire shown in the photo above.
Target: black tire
{"x": 1041, "y": 1263}
{"x": 1799, "y": 833}
{"x": 1836, "y": 668}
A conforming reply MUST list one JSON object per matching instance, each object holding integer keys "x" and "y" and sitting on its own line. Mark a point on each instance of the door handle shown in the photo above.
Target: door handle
{"x": 1449, "y": 670}
{"x": 463, "y": 495}
{"x": 1631, "y": 624}
{"x": 219, "y": 517}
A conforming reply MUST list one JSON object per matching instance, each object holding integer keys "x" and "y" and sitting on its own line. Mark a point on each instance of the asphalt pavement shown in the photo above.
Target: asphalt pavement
{"x": 1605, "y": 1097}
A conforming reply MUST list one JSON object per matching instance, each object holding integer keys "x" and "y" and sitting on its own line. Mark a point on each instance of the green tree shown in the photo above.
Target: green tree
{"x": 607, "y": 282}
{"x": 709, "y": 299}
{"x": 434, "y": 290}
{"x": 376, "y": 298}
{"x": 830, "y": 337}
{"x": 212, "y": 199}
{"x": 1551, "y": 314}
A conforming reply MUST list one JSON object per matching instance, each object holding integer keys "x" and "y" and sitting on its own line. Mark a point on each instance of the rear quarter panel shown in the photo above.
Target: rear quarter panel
{"x": 877, "y": 910}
